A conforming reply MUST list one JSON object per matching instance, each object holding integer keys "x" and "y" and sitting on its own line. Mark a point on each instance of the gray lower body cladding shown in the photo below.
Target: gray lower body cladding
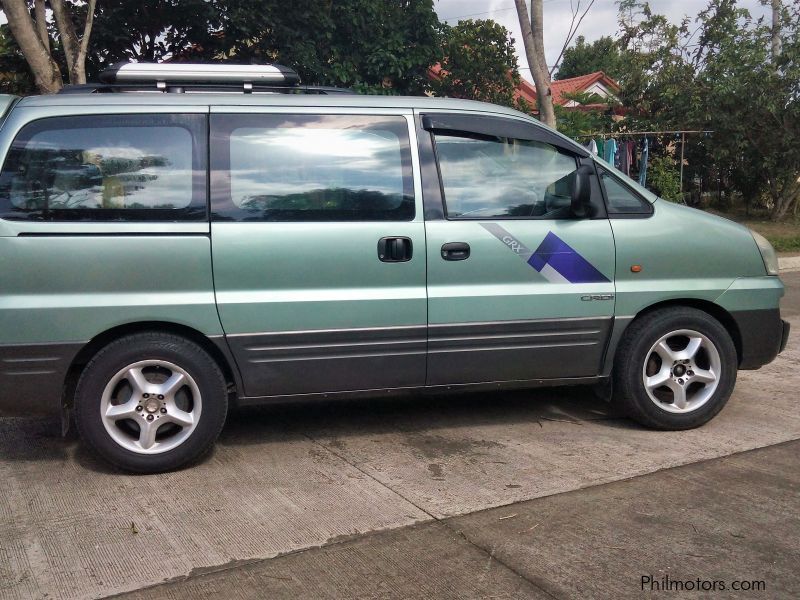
{"x": 304, "y": 362}
{"x": 32, "y": 377}
{"x": 473, "y": 355}
{"x": 516, "y": 350}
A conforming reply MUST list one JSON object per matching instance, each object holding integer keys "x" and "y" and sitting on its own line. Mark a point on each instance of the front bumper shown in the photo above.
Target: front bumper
{"x": 762, "y": 336}
{"x": 784, "y": 336}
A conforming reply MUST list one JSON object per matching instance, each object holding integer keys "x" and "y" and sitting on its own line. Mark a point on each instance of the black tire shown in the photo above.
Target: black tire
{"x": 151, "y": 346}
{"x": 630, "y": 393}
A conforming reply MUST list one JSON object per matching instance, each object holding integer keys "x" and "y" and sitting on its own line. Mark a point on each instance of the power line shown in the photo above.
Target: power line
{"x": 488, "y": 12}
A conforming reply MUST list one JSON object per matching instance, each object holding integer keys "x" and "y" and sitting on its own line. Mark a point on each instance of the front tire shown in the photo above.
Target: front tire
{"x": 151, "y": 402}
{"x": 675, "y": 369}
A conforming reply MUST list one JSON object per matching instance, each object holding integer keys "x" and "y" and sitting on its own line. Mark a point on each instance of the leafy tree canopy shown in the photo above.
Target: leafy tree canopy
{"x": 371, "y": 46}
{"x": 583, "y": 58}
{"x": 718, "y": 73}
{"x": 478, "y": 63}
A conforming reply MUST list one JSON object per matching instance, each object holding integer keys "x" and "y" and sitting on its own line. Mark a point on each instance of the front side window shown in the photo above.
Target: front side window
{"x": 493, "y": 178}
{"x": 620, "y": 199}
{"x": 106, "y": 168}
{"x": 311, "y": 168}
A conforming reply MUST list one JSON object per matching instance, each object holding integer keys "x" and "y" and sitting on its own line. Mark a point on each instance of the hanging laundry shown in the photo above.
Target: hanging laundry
{"x": 643, "y": 162}
{"x": 600, "y": 142}
{"x": 591, "y": 147}
{"x": 622, "y": 157}
{"x": 631, "y": 150}
{"x": 610, "y": 151}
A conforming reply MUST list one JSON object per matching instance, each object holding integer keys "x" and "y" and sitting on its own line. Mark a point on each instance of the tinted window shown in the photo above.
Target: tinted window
{"x": 504, "y": 178}
{"x": 109, "y": 167}
{"x": 311, "y": 168}
{"x": 621, "y": 199}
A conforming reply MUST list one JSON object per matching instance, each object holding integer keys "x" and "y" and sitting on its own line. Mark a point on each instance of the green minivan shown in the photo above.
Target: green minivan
{"x": 182, "y": 238}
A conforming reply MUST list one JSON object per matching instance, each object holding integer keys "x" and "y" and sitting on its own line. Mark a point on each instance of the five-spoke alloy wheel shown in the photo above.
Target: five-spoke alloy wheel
{"x": 675, "y": 368}
{"x": 151, "y": 402}
{"x": 681, "y": 371}
{"x": 151, "y": 406}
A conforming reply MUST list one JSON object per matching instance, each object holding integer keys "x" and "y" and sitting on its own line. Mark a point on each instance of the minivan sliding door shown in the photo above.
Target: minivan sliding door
{"x": 318, "y": 251}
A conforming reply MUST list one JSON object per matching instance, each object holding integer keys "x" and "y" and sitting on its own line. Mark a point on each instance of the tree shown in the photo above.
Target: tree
{"x": 155, "y": 30}
{"x": 29, "y": 27}
{"x": 380, "y": 47}
{"x": 533, "y": 39}
{"x": 478, "y": 63}
{"x": 575, "y": 23}
{"x": 583, "y": 58}
{"x": 723, "y": 75}
{"x": 15, "y": 76}
{"x": 751, "y": 97}
{"x": 576, "y": 122}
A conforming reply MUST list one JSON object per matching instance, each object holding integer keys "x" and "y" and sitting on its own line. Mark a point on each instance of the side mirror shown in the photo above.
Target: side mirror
{"x": 581, "y": 191}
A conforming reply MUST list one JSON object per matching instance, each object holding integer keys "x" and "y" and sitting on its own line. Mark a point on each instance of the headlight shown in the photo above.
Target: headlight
{"x": 767, "y": 253}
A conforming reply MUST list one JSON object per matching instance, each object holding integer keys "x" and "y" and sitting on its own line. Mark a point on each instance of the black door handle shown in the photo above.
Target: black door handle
{"x": 455, "y": 251}
{"x": 395, "y": 249}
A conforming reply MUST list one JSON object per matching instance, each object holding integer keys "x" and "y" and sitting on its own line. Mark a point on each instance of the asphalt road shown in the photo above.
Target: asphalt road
{"x": 414, "y": 498}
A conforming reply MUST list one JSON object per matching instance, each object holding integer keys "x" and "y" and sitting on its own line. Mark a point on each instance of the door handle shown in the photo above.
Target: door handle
{"x": 395, "y": 249}
{"x": 455, "y": 251}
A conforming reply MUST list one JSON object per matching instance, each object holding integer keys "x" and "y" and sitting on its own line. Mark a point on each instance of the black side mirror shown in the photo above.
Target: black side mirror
{"x": 581, "y": 191}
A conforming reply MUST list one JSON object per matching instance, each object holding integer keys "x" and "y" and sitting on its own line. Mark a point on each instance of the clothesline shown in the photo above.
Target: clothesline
{"x": 621, "y": 133}
{"x": 642, "y": 178}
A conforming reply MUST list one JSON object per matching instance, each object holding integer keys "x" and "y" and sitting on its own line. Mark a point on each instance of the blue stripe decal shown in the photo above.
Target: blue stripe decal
{"x": 563, "y": 258}
{"x": 554, "y": 259}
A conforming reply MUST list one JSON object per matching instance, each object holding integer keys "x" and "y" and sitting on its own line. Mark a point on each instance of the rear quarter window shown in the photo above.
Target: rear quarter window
{"x": 106, "y": 168}
{"x": 311, "y": 168}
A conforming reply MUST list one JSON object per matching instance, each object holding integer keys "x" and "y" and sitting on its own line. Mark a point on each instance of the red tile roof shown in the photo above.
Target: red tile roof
{"x": 527, "y": 91}
{"x": 572, "y": 85}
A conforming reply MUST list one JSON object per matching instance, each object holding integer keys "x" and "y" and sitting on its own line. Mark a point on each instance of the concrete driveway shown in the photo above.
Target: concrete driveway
{"x": 289, "y": 478}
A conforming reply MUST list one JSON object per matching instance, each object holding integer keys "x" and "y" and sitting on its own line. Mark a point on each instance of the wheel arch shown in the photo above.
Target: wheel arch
{"x": 712, "y": 309}
{"x": 715, "y": 310}
{"x": 217, "y": 350}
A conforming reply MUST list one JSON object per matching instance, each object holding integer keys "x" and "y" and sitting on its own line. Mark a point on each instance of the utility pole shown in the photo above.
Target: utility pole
{"x": 776, "y": 30}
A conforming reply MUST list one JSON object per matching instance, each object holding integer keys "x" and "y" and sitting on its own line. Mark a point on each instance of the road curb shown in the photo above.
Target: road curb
{"x": 788, "y": 263}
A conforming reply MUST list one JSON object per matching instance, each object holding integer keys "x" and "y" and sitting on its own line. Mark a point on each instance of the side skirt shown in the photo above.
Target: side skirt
{"x": 422, "y": 390}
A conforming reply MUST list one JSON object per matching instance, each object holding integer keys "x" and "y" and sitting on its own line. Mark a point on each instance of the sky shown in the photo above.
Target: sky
{"x": 601, "y": 19}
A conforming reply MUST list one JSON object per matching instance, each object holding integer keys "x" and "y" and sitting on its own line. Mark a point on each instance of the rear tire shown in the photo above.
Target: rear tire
{"x": 151, "y": 402}
{"x": 675, "y": 369}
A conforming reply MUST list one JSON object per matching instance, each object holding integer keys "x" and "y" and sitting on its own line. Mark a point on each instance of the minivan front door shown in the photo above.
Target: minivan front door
{"x": 519, "y": 288}
{"x": 318, "y": 251}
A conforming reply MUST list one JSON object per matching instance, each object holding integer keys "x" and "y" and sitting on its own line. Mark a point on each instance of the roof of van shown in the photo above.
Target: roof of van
{"x": 262, "y": 99}
{"x": 144, "y": 99}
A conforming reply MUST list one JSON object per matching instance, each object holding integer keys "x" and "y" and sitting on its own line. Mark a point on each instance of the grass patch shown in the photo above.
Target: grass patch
{"x": 784, "y": 243}
{"x": 783, "y": 235}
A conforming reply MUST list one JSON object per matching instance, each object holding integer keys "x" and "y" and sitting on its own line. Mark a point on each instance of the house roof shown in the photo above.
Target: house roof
{"x": 561, "y": 87}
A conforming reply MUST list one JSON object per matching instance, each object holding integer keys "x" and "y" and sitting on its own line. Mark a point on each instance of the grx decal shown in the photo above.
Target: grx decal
{"x": 556, "y": 260}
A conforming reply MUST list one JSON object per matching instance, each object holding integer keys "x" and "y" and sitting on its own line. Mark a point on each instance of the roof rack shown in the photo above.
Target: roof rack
{"x": 129, "y": 72}
{"x": 107, "y": 88}
{"x": 193, "y": 77}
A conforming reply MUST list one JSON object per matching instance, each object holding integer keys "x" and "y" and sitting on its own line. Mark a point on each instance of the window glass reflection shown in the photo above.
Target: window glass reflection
{"x": 498, "y": 177}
